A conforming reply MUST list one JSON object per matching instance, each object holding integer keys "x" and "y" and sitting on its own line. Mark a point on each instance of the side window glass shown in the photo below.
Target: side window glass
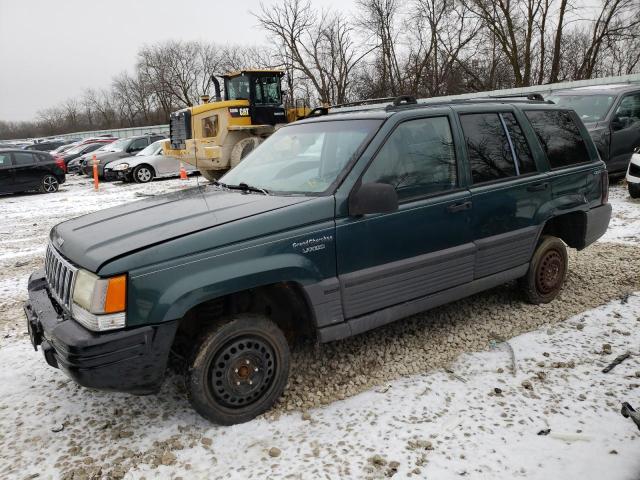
{"x": 488, "y": 147}
{"x": 5, "y": 160}
{"x": 524, "y": 157}
{"x": 138, "y": 144}
{"x": 21, "y": 159}
{"x": 628, "y": 113}
{"x": 418, "y": 159}
{"x": 210, "y": 126}
{"x": 559, "y": 136}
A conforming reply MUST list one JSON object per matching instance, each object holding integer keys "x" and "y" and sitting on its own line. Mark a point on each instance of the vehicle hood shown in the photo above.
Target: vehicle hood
{"x": 94, "y": 239}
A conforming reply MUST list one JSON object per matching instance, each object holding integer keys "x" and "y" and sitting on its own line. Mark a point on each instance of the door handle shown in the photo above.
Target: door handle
{"x": 459, "y": 207}
{"x": 537, "y": 187}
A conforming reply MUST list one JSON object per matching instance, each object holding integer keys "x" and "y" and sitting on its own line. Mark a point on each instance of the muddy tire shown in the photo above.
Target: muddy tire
{"x": 547, "y": 271}
{"x": 242, "y": 149}
{"x": 212, "y": 175}
{"x": 49, "y": 184}
{"x": 634, "y": 190}
{"x": 237, "y": 369}
{"x": 143, "y": 173}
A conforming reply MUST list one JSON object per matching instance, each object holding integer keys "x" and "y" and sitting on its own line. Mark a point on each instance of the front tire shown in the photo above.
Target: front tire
{"x": 238, "y": 369}
{"x": 49, "y": 184}
{"x": 547, "y": 271}
{"x": 243, "y": 148}
{"x": 634, "y": 190}
{"x": 143, "y": 174}
{"x": 212, "y": 175}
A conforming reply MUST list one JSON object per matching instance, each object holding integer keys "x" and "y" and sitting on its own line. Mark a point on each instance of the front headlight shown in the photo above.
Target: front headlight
{"x": 100, "y": 303}
{"x": 121, "y": 166}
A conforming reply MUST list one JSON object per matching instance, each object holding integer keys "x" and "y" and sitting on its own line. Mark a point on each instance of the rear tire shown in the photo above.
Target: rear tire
{"x": 634, "y": 190}
{"x": 49, "y": 184}
{"x": 143, "y": 174}
{"x": 547, "y": 271}
{"x": 238, "y": 369}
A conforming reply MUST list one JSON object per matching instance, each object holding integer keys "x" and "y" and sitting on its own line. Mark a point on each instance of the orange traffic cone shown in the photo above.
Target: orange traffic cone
{"x": 183, "y": 172}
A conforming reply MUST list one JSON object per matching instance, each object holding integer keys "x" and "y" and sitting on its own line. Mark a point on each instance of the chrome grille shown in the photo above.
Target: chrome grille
{"x": 61, "y": 276}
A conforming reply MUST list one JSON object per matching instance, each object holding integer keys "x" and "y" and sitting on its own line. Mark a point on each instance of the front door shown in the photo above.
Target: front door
{"x": 625, "y": 132}
{"x": 27, "y": 172}
{"x": 424, "y": 246}
{"x": 6, "y": 173}
{"x": 507, "y": 191}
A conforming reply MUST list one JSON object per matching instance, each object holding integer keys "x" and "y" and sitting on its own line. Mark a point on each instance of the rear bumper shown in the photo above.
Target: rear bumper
{"x": 597, "y": 223}
{"x": 131, "y": 361}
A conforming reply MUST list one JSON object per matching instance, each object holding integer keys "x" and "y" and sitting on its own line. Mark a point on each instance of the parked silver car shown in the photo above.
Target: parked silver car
{"x": 143, "y": 167}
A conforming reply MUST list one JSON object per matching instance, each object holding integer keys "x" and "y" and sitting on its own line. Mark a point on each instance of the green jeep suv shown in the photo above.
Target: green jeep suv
{"x": 335, "y": 225}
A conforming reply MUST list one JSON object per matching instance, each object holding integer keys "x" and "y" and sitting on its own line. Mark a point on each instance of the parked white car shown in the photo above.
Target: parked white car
{"x": 633, "y": 175}
{"x": 146, "y": 165}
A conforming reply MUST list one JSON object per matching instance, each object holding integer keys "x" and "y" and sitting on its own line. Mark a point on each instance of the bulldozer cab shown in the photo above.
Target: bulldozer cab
{"x": 262, "y": 89}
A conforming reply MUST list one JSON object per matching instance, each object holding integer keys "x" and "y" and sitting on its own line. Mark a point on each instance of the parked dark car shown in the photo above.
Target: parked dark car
{"x": 124, "y": 147}
{"x": 21, "y": 171}
{"x": 611, "y": 113}
{"x": 47, "y": 146}
{"x": 80, "y": 150}
{"x": 333, "y": 226}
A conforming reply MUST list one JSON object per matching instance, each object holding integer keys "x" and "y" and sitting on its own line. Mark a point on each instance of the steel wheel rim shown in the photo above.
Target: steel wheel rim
{"x": 550, "y": 272}
{"x": 50, "y": 183}
{"x": 242, "y": 371}
{"x": 144, "y": 174}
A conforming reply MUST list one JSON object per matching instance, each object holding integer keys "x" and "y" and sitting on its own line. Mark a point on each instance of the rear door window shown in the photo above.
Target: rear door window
{"x": 21, "y": 159}
{"x": 525, "y": 162}
{"x": 559, "y": 136}
{"x": 488, "y": 147}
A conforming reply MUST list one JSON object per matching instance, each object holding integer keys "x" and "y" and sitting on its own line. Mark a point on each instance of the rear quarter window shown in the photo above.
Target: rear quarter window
{"x": 559, "y": 137}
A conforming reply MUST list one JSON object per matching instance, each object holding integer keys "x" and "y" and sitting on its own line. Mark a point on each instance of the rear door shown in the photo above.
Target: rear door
{"x": 625, "y": 132}
{"x": 423, "y": 247}
{"x": 508, "y": 189}
{"x": 27, "y": 172}
{"x": 7, "y": 181}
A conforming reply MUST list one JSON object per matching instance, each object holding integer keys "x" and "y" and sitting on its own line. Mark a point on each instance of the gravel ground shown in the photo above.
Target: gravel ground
{"x": 107, "y": 434}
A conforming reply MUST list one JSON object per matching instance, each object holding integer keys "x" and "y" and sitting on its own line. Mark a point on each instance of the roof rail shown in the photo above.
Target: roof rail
{"x": 529, "y": 96}
{"x": 370, "y": 101}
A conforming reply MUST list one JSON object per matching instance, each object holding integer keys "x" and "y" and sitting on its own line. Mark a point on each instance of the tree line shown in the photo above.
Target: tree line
{"x": 388, "y": 47}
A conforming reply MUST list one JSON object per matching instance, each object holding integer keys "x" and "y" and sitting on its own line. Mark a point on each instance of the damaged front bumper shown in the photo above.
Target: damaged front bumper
{"x": 131, "y": 361}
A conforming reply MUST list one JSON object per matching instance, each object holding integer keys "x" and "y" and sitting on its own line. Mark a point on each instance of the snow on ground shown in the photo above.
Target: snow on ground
{"x": 625, "y": 221}
{"x": 476, "y": 420}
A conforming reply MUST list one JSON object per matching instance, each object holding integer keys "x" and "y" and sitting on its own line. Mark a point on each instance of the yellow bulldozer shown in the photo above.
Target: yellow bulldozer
{"x": 217, "y": 134}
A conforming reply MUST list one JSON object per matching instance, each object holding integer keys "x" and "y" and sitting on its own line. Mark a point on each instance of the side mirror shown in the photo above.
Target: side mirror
{"x": 373, "y": 198}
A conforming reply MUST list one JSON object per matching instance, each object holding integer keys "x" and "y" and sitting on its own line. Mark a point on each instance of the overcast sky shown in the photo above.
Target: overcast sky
{"x": 51, "y": 50}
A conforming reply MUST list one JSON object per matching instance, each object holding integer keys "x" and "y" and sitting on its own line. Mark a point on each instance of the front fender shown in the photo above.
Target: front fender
{"x": 167, "y": 293}
{"x": 204, "y": 284}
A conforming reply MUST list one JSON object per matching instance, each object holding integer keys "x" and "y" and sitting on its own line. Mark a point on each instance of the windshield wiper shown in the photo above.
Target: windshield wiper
{"x": 242, "y": 186}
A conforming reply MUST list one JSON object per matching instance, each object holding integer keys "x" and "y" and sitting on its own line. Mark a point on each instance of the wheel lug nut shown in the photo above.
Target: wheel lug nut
{"x": 247, "y": 362}
{"x": 250, "y": 382}
{"x": 255, "y": 369}
{"x": 238, "y": 383}
{"x": 236, "y": 370}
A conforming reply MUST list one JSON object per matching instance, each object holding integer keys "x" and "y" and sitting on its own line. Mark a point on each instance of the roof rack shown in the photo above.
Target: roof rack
{"x": 370, "y": 101}
{"x": 529, "y": 96}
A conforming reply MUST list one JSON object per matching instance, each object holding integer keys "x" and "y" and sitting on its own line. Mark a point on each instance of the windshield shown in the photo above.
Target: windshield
{"x": 117, "y": 146}
{"x": 149, "y": 150}
{"x": 590, "y": 108}
{"x": 237, "y": 88}
{"x": 303, "y": 158}
{"x": 74, "y": 150}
